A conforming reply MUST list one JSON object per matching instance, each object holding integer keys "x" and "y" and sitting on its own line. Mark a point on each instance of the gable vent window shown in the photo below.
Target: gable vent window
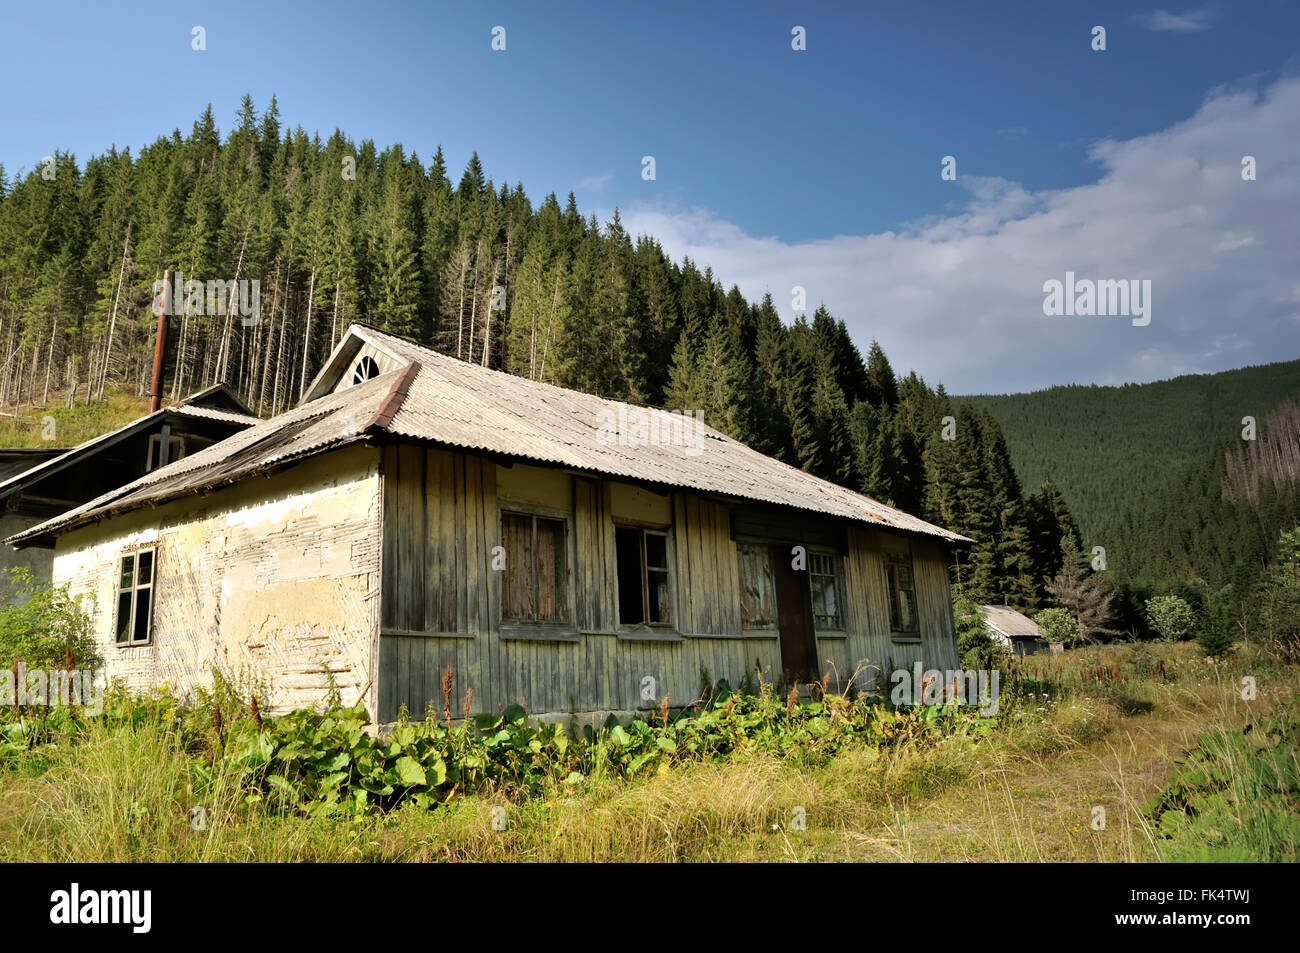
{"x": 133, "y": 624}
{"x": 364, "y": 370}
{"x": 642, "y": 576}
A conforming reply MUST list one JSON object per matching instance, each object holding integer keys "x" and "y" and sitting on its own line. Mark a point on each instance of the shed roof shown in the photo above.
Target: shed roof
{"x": 1012, "y": 624}
{"x": 194, "y": 406}
{"x": 438, "y": 399}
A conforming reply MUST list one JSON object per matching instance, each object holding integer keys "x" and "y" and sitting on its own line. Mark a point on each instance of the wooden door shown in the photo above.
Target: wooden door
{"x": 794, "y": 618}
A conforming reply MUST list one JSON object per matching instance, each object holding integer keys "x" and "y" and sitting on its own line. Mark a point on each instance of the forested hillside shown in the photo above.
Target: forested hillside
{"x": 1210, "y": 532}
{"x": 1210, "y": 528}
{"x": 1106, "y": 446}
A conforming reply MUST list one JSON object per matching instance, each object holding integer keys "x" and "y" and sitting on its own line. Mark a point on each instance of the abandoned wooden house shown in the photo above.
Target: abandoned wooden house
{"x": 55, "y": 481}
{"x": 554, "y": 549}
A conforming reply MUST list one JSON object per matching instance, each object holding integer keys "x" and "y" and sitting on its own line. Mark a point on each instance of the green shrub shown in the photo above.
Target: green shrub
{"x": 40, "y": 623}
{"x": 1234, "y": 795}
{"x": 1057, "y": 625}
{"x": 313, "y": 763}
{"x": 1171, "y": 617}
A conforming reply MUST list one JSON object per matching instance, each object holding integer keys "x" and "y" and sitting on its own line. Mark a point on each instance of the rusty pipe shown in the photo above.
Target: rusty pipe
{"x": 160, "y": 347}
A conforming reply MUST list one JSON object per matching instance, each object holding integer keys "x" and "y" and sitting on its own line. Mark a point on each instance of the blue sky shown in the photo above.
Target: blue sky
{"x": 757, "y": 146}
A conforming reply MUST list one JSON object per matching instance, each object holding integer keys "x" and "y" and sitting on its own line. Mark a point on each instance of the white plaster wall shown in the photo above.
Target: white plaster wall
{"x": 275, "y": 578}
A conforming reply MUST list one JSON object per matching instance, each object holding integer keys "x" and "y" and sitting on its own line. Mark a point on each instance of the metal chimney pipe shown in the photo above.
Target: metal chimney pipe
{"x": 160, "y": 347}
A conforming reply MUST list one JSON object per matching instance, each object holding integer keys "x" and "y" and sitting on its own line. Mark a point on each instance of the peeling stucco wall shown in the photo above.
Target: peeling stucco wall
{"x": 272, "y": 580}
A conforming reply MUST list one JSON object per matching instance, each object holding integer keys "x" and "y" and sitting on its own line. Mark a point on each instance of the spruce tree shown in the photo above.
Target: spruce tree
{"x": 1085, "y": 594}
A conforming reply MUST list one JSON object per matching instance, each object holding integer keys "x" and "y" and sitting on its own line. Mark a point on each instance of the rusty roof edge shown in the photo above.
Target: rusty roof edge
{"x": 396, "y": 397}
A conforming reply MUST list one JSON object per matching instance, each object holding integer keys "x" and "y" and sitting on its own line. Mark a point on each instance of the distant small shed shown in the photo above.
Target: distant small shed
{"x": 1015, "y": 630}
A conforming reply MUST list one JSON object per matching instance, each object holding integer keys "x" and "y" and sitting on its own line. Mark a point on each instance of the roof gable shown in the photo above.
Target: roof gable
{"x": 217, "y": 397}
{"x": 332, "y": 421}
{"x": 346, "y": 366}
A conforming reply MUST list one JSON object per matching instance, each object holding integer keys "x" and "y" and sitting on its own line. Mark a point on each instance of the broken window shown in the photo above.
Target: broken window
{"x": 642, "y": 576}
{"x": 757, "y": 587}
{"x": 133, "y": 624}
{"x": 902, "y": 593}
{"x": 536, "y": 576}
{"x": 826, "y": 576}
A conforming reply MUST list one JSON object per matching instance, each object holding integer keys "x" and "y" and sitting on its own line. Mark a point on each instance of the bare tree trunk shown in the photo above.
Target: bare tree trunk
{"x": 270, "y": 337}
{"x": 279, "y": 361}
{"x": 334, "y": 323}
{"x": 473, "y": 307}
{"x": 179, "y": 376}
{"x": 555, "y": 304}
{"x": 72, "y": 381}
{"x": 112, "y": 320}
{"x": 487, "y": 319}
{"x": 223, "y": 354}
{"x": 49, "y": 363}
{"x": 306, "y": 337}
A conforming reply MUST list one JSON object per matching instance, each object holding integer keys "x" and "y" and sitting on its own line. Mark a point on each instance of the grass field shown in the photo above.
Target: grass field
{"x": 1103, "y": 728}
{"x": 71, "y": 425}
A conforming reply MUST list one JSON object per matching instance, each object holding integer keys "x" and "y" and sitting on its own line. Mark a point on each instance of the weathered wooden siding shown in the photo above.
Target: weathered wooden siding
{"x": 873, "y": 649}
{"x": 939, "y": 646}
{"x": 272, "y": 580}
{"x": 595, "y": 602}
{"x": 442, "y": 597}
{"x": 708, "y": 571}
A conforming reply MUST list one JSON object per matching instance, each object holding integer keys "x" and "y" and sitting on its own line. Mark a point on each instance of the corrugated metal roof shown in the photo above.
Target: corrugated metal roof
{"x": 1009, "y": 622}
{"x": 212, "y": 413}
{"x": 452, "y": 403}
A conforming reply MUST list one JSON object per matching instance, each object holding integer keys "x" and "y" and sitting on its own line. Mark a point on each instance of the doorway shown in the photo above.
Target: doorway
{"x": 794, "y": 619}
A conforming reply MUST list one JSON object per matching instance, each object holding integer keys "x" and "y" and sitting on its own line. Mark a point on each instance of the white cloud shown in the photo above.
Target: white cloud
{"x": 959, "y": 298}
{"x": 594, "y": 183}
{"x": 1193, "y": 21}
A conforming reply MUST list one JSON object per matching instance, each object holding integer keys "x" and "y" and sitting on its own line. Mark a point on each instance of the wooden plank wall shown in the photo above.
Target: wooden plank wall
{"x": 934, "y": 604}
{"x": 441, "y": 603}
{"x": 440, "y": 596}
{"x": 708, "y": 571}
{"x": 595, "y": 600}
{"x": 871, "y": 647}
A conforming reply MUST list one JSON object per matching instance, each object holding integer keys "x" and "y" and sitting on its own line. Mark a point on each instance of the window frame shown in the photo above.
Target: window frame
{"x": 134, "y": 589}
{"x": 549, "y": 628}
{"x": 837, "y": 576}
{"x": 359, "y": 371}
{"x": 642, "y": 530}
{"x": 175, "y": 451}
{"x": 894, "y": 559}
{"x": 764, "y": 547}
